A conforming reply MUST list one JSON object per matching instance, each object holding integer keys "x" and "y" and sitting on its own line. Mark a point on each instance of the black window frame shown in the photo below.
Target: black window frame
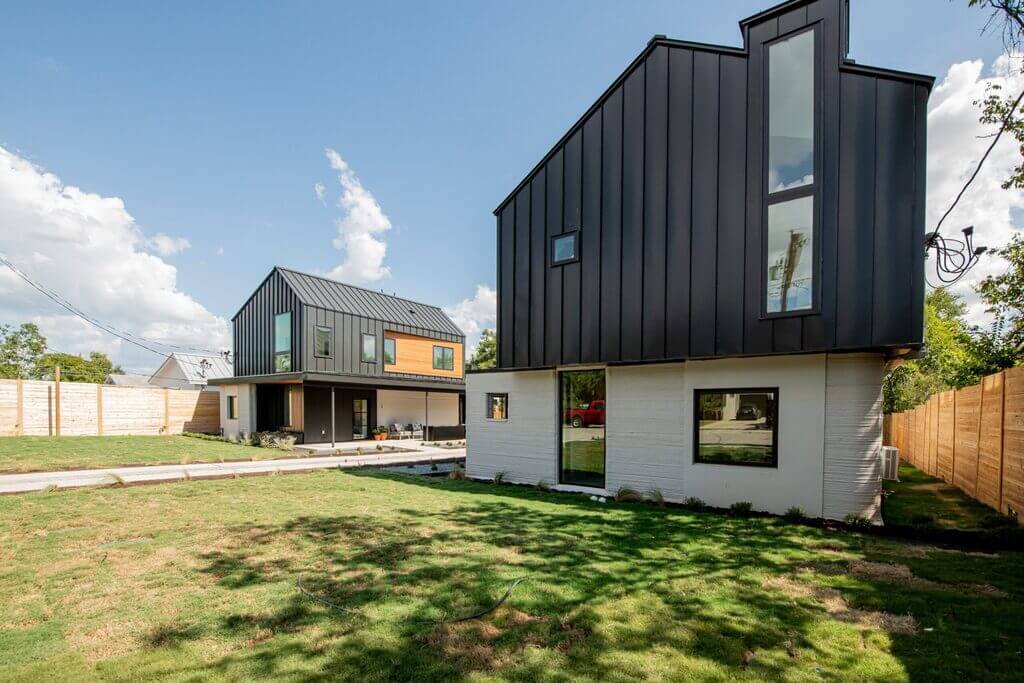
{"x": 362, "y": 347}
{"x": 560, "y": 414}
{"x": 232, "y": 407}
{"x": 813, "y": 189}
{"x": 697, "y": 393}
{"x": 330, "y": 342}
{"x": 394, "y": 351}
{"x": 575, "y": 234}
{"x": 291, "y": 342}
{"x": 445, "y": 352}
{"x": 488, "y": 413}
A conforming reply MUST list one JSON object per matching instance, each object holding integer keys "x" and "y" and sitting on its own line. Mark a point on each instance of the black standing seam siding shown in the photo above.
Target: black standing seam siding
{"x": 672, "y": 258}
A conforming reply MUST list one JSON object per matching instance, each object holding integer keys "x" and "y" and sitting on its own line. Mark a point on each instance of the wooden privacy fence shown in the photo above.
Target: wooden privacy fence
{"x": 32, "y": 408}
{"x": 972, "y": 438}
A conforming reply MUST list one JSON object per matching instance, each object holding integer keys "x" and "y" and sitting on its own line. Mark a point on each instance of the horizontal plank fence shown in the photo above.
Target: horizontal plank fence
{"x": 972, "y": 438}
{"x": 34, "y": 408}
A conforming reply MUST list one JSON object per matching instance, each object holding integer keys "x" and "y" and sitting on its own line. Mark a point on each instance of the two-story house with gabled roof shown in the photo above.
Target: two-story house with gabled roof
{"x": 330, "y": 361}
{"x": 701, "y": 283}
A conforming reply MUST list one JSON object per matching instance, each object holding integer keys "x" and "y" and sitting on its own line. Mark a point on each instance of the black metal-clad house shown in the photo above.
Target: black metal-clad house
{"x": 723, "y": 252}
{"x": 303, "y": 343}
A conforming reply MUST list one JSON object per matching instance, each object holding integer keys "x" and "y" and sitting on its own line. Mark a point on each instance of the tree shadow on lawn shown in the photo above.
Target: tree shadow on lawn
{"x": 610, "y": 591}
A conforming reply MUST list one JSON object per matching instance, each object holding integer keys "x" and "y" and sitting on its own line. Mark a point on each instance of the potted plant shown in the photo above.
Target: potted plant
{"x": 380, "y": 433}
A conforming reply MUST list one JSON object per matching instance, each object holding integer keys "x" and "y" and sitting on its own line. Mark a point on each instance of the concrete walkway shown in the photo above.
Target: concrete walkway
{"x": 150, "y": 474}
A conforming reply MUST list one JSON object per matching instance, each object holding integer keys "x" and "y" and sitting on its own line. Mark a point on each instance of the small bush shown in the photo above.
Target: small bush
{"x": 379, "y": 447}
{"x": 694, "y": 503}
{"x": 741, "y": 508}
{"x": 544, "y": 485}
{"x": 285, "y": 443}
{"x": 499, "y": 477}
{"x": 655, "y": 496}
{"x": 628, "y": 495}
{"x": 457, "y": 474}
{"x": 794, "y": 514}
{"x": 857, "y": 521}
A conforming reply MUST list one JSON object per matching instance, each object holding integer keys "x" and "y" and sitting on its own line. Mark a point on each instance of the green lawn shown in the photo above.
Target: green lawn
{"x": 41, "y": 453}
{"x": 197, "y": 581}
{"x": 918, "y": 499}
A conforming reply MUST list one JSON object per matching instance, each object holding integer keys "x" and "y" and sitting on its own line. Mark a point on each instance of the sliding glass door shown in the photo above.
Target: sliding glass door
{"x": 582, "y": 418}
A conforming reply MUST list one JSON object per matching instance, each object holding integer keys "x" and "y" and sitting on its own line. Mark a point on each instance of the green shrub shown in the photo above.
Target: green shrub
{"x": 499, "y": 477}
{"x": 794, "y": 514}
{"x": 655, "y": 496}
{"x": 741, "y": 508}
{"x": 694, "y": 503}
{"x": 628, "y": 495}
{"x": 543, "y": 485}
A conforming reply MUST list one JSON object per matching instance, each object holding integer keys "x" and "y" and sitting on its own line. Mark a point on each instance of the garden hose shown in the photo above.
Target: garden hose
{"x": 468, "y": 617}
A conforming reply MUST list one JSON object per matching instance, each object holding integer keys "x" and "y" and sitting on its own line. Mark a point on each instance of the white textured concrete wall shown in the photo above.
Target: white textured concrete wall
{"x": 444, "y": 410}
{"x": 245, "y": 404}
{"x": 412, "y": 407}
{"x": 853, "y": 435}
{"x": 828, "y": 437}
{"x": 644, "y": 444}
{"x": 525, "y": 446}
{"x": 801, "y": 434}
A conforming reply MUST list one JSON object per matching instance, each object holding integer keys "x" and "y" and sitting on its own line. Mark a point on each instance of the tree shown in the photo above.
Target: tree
{"x": 21, "y": 350}
{"x": 1004, "y": 295}
{"x": 486, "y": 354}
{"x": 93, "y": 370}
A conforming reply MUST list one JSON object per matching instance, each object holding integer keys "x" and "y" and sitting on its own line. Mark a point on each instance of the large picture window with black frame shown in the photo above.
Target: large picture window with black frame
{"x": 736, "y": 427}
{"x": 790, "y": 244}
{"x": 283, "y": 342}
{"x": 582, "y": 416}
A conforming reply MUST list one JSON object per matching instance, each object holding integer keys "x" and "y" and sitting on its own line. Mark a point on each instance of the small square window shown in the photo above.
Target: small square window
{"x": 497, "y": 406}
{"x": 444, "y": 358}
{"x": 389, "y": 351}
{"x": 736, "y": 427}
{"x": 232, "y": 407}
{"x": 565, "y": 248}
{"x": 369, "y": 350}
{"x": 323, "y": 340}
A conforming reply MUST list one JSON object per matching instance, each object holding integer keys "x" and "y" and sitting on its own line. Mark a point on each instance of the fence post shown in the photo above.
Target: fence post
{"x": 952, "y": 464}
{"x": 99, "y": 409}
{"x": 56, "y": 399}
{"x": 19, "y": 418}
{"x": 1002, "y": 434}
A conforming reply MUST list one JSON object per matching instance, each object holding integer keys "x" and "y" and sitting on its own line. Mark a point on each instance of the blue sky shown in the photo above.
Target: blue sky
{"x": 210, "y": 120}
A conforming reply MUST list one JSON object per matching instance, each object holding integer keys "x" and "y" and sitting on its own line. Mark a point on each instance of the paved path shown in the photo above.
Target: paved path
{"x": 36, "y": 481}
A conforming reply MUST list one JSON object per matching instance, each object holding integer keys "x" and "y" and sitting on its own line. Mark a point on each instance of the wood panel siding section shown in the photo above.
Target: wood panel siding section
{"x": 414, "y": 355}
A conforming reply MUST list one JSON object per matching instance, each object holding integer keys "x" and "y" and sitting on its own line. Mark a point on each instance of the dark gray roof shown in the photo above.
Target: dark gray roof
{"x": 313, "y": 290}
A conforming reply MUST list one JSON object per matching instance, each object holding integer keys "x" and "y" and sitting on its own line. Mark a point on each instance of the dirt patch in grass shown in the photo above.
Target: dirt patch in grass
{"x": 901, "y": 574}
{"x": 837, "y": 607}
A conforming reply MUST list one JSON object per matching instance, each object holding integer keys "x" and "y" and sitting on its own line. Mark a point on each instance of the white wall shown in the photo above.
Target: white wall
{"x": 171, "y": 376}
{"x": 245, "y": 404}
{"x": 525, "y": 446}
{"x": 409, "y": 407}
{"x": 828, "y": 436}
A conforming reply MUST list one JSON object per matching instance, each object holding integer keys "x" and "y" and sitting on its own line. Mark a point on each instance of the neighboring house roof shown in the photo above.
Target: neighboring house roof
{"x": 313, "y": 290}
{"x": 128, "y": 380}
{"x": 198, "y": 367}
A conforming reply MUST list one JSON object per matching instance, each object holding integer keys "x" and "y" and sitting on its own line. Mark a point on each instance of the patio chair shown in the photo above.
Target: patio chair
{"x": 416, "y": 431}
{"x": 397, "y": 431}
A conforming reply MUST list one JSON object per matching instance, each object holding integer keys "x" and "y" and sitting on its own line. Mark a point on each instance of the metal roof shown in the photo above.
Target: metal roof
{"x": 313, "y": 290}
{"x": 199, "y": 367}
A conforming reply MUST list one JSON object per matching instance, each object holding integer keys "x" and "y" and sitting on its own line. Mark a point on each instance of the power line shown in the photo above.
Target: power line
{"x": 109, "y": 329}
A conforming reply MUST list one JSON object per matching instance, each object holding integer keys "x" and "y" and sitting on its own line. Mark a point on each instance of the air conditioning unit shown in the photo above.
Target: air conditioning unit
{"x": 890, "y": 456}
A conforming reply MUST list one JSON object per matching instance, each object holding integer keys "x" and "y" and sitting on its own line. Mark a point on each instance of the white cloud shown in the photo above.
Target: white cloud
{"x": 359, "y": 229}
{"x": 165, "y": 245}
{"x": 319, "y": 189}
{"x": 954, "y": 147}
{"x": 90, "y": 250}
{"x": 220, "y": 251}
{"x": 475, "y": 315}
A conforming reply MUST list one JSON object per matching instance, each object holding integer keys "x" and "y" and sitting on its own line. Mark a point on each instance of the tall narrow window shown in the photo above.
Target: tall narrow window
{"x": 389, "y": 351}
{"x": 789, "y": 242}
{"x": 232, "y": 407}
{"x": 369, "y": 350}
{"x": 283, "y": 342}
{"x": 791, "y": 112}
{"x": 324, "y": 342}
{"x": 582, "y": 419}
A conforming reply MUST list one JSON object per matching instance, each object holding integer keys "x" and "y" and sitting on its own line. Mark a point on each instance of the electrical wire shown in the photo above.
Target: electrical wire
{"x": 109, "y": 329}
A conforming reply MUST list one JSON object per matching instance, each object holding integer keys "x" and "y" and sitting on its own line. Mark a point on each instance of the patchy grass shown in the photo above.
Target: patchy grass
{"x": 43, "y": 453}
{"x": 199, "y": 580}
{"x": 920, "y": 500}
